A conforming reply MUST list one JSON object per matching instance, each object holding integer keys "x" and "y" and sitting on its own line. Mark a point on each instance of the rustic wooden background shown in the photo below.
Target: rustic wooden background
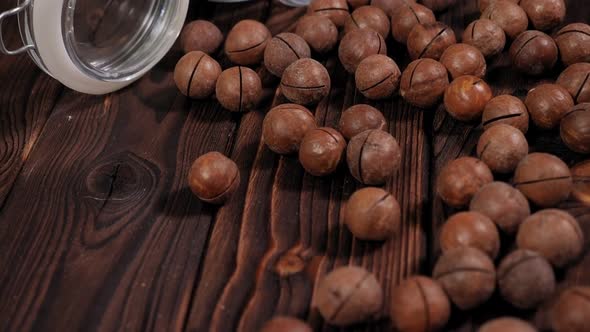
{"x": 98, "y": 230}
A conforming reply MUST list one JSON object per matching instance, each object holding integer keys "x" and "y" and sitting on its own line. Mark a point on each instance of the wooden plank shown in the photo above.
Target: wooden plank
{"x": 27, "y": 98}
{"x": 452, "y": 139}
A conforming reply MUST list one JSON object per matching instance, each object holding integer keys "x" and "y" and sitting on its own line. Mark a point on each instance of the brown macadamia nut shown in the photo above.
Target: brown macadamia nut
{"x": 284, "y": 49}
{"x": 370, "y": 17}
{"x": 359, "y": 118}
{"x": 525, "y": 279}
{"x": 503, "y": 204}
{"x": 502, "y": 147}
{"x": 506, "y": 109}
{"x": 575, "y": 128}
{"x": 335, "y": 10}
{"x": 533, "y": 52}
{"x": 573, "y": 41}
{"x": 285, "y": 126}
{"x": 213, "y": 178}
{"x": 348, "y": 295}
{"x": 571, "y": 310}
{"x": 576, "y": 80}
{"x": 424, "y": 82}
{"x": 373, "y": 156}
{"x": 318, "y": 31}
{"x": 305, "y": 82}
{"x": 555, "y": 234}
{"x": 544, "y": 179}
{"x": 439, "y": 5}
{"x": 430, "y": 40}
{"x": 377, "y": 76}
{"x": 419, "y": 304}
{"x": 238, "y": 89}
{"x": 460, "y": 179}
{"x": 372, "y": 214}
{"x": 468, "y": 276}
{"x": 544, "y": 14}
{"x": 285, "y": 324}
{"x": 390, "y": 7}
{"x": 507, "y": 324}
{"x": 464, "y": 59}
{"x": 246, "y": 42}
{"x": 466, "y": 97}
{"x": 196, "y": 74}
{"x": 581, "y": 174}
{"x": 486, "y": 35}
{"x": 321, "y": 150}
{"x": 547, "y": 104}
{"x": 359, "y": 44}
{"x": 470, "y": 229}
{"x": 407, "y": 17}
{"x": 200, "y": 35}
{"x": 508, "y": 15}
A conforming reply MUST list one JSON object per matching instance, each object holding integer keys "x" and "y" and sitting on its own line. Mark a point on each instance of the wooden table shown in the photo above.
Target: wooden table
{"x": 98, "y": 230}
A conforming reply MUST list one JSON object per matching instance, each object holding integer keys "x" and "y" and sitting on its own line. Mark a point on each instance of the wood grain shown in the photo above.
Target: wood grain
{"x": 98, "y": 230}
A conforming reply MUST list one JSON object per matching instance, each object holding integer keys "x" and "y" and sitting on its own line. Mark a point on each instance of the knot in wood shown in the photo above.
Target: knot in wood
{"x": 289, "y": 264}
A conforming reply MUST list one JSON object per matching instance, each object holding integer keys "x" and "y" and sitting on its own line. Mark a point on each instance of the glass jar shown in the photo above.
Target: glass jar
{"x": 98, "y": 46}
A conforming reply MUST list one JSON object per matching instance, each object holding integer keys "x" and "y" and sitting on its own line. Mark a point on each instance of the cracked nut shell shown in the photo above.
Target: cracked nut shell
{"x": 430, "y": 40}
{"x": 533, "y": 52}
{"x": 502, "y": 147}
{"x": 407, "y": 17}
{"x": 373, "y": 156}
{"x": 321, "y": 150}
{"x": 282, "y": 50}
{"x": 359, "y": 44}
{"x": 466, "y": 97}
{"x": 238, "y": 89}
{"x": 576, "y": 80}
{"x": 372, "y": 214}
{"x": 368, "y": 17}
{"x": 377, "y": 76}
{"x": 486, "y": 35}
{"x": 335, "y": 10}
{"x": 547, "y": 104}
{"x": 246, "y": 41}
{"x": 424, "y": 82}
{"x": 575, "y": 128}
{"x": 506, "y": 109}
{"x": 573, "y": 41}
{"x": 305, "y": 82}
{"x": 213, "y": 178}
{"x": 196, "y": 74}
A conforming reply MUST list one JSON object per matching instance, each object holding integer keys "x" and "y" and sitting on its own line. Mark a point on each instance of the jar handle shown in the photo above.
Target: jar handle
{"x": 3, "y": 16}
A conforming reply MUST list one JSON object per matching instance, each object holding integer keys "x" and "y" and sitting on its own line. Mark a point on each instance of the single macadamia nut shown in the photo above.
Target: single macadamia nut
{"x": 359, "y": 44}
{"x": 506, "y": 109}
{"x": 372, "y": 214}
{"x": 321, "y": 150}
{"x": 246, "y": 42}
{"x": 419, "y": 304}
{"x": 407, "y": 17}
{"x": 430, "y": 40}
{"x": 571, "y": 310}
{"x": 547, "y": 104}
{"x": 555, "y": 234}
{"x": 464, "y": 59}
{"x": 318, "y": 31}
{"x": 575, "y": 128}
{"x": 460, "y": 179}
{"x": 525, "y": 279}
{"x": 507, "y": 324}
{"x": 576, "y": 80}
{"x": 502, "y": 147}
{"x": 466, "y": 97}
{"x": 544, "y": 179}
{"x": 213, "y": 178}
{"x": 305, "y": 82}
{"x": 573, "y": 41}
{"x": 285, "y": 324}
{"x": 424, "y": 82}
{"x": 468, "y": 276}
{"x": 200, "y": 35}
{"x": 359, "y": 118}
{"x": 377, "y": 76}
{"x": 486, "y": 35}
{"x": 196, "y": 74}
{"x": 373, "y": 156}
{"x": 238, "y": 89}
{"x": 368, "y": 17}
{"x": 544, "y": 14}
{"x": 285, "y": 126}
{"x": 470, "y": 229}
{"x": 284, "y": 49}
{"x": 503, "y": 204}
{"x": 533, "y": 52}
{"x": 508, "y": 15}
{"x": 348, "y": 295}
{"x": 335, "y": 10}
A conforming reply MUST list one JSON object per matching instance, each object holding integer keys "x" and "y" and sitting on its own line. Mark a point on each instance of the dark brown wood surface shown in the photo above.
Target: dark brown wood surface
{"x": 98, "y": 230}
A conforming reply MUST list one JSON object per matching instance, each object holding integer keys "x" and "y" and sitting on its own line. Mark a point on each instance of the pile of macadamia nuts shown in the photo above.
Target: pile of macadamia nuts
{"x": 525, "y": 209}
